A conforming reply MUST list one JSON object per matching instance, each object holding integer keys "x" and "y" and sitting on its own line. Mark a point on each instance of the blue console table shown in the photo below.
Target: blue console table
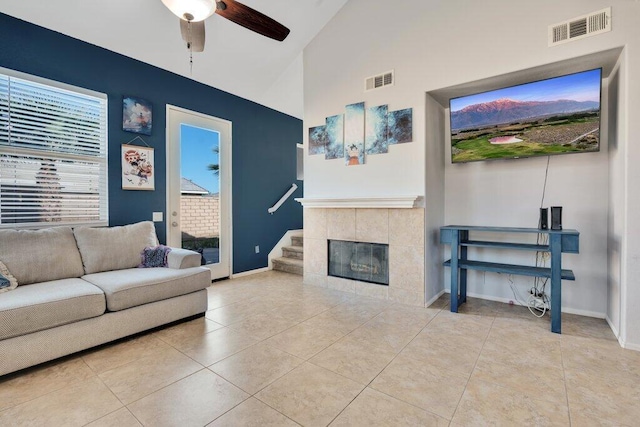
{"x": 559, "y": 241}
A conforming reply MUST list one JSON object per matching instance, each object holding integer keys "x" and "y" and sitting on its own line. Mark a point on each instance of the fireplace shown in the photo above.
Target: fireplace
{"x": 366, "y": 262}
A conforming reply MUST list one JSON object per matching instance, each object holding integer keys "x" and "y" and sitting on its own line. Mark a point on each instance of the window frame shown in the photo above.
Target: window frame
{"x": 103, "y": 160}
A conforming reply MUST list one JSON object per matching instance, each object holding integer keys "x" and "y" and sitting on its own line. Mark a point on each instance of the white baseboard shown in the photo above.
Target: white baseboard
{"x": 567, "y": 310}
{"x": 435, "y": 298}
{"x": 276, "y": 252}
{"x": 629, "y": 346}
{"x": 250, "y": 272}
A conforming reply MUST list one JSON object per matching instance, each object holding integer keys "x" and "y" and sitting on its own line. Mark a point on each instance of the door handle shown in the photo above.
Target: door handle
{"x": 174, "y": 223}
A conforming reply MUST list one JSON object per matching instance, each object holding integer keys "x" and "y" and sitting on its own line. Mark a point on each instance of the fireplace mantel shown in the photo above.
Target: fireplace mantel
{"x": 402, "y": 202}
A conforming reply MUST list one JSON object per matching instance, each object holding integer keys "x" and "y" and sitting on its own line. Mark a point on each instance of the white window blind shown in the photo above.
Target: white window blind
{"x": 53, "y": 153}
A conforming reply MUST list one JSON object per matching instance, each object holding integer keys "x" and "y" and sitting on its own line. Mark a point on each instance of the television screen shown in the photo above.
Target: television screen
{"x": 555, "y": 116}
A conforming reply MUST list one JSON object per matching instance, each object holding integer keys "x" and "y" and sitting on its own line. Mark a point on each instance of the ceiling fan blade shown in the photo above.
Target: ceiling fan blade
{"x": 252, "y": 19}
{"x": 193, "y": 33}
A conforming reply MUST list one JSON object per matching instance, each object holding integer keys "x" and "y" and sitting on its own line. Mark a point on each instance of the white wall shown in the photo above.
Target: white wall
{"x": 285, "y": 94}
{"x": 436, "y": 44}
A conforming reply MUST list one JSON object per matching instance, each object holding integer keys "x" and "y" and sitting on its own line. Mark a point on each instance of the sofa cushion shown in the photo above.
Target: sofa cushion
{"x": 154, "y": 256}
{"x": 114, "y": 248}
{"x": 137, "y": 286}
{"x": 46, "y": 305}
{"x": 34, "y": 256}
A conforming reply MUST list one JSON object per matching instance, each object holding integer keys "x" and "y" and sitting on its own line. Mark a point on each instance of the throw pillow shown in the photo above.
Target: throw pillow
{"x": 154, "y": 256}
{"x": 7, "y": 281}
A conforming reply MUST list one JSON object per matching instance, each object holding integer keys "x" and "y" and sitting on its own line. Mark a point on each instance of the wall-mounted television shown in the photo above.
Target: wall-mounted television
{"x": 560, "y": 115}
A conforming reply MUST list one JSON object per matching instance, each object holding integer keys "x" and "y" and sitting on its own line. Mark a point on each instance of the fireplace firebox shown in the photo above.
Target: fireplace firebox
{"x": 366, "y": 262}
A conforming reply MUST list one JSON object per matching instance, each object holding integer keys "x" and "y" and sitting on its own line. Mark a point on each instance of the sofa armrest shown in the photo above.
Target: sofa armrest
{"x": 183, "y": 258}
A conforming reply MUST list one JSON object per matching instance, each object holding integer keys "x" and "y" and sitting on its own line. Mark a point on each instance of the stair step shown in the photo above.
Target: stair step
{"x": 296, "y": 240}
{"x": 294, "y": 252}
{"x": 289, "y": 265}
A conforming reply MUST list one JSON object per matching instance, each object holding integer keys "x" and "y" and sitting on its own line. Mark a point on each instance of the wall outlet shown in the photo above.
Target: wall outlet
{"x": 157, "y": 217}
{"x": 257, "y": 249}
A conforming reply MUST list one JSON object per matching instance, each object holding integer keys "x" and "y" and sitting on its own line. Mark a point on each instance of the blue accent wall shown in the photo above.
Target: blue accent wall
{"x": 264, "y": 140}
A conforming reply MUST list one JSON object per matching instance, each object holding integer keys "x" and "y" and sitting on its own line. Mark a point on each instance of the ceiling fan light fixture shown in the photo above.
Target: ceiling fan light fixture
{"x": 198, "y": 10}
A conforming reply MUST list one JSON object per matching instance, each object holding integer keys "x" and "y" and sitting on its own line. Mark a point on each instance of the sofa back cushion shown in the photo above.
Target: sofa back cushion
{"x": 114, "y": 248}
{"x": 33, "y": 256}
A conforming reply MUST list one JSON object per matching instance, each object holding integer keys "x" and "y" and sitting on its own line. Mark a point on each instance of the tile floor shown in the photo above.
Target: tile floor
{"x": 272, "y": 352}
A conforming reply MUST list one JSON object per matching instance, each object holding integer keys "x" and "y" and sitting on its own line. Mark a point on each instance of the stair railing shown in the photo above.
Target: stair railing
{"x": 283, "y": 199}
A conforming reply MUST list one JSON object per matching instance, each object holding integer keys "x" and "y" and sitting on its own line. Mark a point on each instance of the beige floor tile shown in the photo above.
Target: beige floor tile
{"x": 488, "y": 404}
{"x": 470, "y": 325}
{"x": 407, "y": 315}
{"x": 182, "y": 333}
{"x": 582, "y": 419}
{"x": 310, "y": 395}
{"x": 41, "y": 380}
{"x": 235, "y": 312}
{"x": 602, "y": 358}
{"x": 215, "y": 346}
{"x": 340, "y": 319}
{"x": 304, "y": 341}
{"x": 193, "y": 401}
{"x": 445, "y": 351}
{"x": 357, "y": 360}
{"x": 521, "y": 374}
{"x": 386, "y": 335}
{"x": 256, "y": 367}
{"x": 301, "y": 310}
{"x": 253, "y": 413}
{"x": 137, "y": 379}
{"x": 588, "y": 327}
{"x": 372, "y": 408}
{"x": 75, "y": 405}
{"x": 615, "y": 398}
{"x": 433, "y": 389}
{"x": 120, "y": 418}
{"x": 113, "y": 355}
{"x": 263, "y": 326}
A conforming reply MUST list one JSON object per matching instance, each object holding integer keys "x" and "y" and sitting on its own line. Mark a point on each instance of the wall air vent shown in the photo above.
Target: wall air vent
{"x": 580, "y": 27}
{"x": 379, "y": 81}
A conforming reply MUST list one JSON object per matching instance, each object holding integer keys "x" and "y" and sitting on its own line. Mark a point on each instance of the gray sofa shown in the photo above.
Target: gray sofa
{"x": 78, "y": 288}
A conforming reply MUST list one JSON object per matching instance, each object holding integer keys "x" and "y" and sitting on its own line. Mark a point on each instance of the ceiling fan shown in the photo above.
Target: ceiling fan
{"x": 192, "y": 14}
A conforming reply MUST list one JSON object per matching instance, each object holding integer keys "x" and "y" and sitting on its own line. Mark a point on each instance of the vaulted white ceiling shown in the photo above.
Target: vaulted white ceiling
{"x": 235, "y": 59}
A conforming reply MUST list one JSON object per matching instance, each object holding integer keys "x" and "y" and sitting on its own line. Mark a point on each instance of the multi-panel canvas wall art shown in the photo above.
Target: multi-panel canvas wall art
{"x": 335, "y": 137}
{"x": 361, "y": 131}
{"x": 400, "y": 126}
{"x": 354, "y": 135}
{"x": 317, "y": 139}
{"x": 376, "y": 125}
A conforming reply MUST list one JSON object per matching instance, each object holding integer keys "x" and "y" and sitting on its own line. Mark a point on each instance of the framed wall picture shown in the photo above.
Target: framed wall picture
{"x": 137, "y": 115}
{"x": 138, "y": 169}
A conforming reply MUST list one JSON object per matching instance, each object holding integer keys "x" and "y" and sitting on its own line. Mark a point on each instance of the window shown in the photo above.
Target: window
{"x": 53, "y": 153}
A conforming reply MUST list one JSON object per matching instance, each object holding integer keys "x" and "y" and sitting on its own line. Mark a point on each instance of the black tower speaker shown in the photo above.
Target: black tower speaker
{"x": 556, "y": 217}
{"x": 544, "y": 219}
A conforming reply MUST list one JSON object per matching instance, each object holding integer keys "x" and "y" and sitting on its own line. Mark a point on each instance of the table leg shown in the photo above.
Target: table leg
{"x": 455, "y": 238}
{"x": 464, "y": 236}
{"x": 556, "y": 282}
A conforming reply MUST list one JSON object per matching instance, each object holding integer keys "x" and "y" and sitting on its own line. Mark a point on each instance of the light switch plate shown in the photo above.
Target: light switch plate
{"x": 157, "y": 217}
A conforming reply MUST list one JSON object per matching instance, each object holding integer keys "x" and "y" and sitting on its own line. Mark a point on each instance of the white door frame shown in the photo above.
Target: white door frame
{"x": 226, "y": 214}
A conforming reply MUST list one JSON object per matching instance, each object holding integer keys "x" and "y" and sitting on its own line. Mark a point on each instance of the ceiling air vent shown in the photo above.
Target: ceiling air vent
{"x": 376, "y": 82}
{"x": 580, "y": 27}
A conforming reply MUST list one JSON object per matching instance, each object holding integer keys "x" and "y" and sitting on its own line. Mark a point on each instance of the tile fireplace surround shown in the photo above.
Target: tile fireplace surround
{"x": 402, "y": 229}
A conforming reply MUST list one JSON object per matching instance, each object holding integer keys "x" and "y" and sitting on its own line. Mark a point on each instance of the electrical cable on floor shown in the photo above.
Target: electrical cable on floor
{"x": 539, "y": 301}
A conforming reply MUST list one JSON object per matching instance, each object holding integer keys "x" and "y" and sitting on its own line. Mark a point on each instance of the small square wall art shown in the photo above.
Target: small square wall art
{"x": 136, "y": 115}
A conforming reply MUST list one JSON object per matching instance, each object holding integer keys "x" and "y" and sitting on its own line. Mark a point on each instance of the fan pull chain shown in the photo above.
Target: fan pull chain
{"x": 190, "y": 47}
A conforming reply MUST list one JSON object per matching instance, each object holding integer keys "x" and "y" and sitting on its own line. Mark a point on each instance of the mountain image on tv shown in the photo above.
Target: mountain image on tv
{"x": 553, "y": 116}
